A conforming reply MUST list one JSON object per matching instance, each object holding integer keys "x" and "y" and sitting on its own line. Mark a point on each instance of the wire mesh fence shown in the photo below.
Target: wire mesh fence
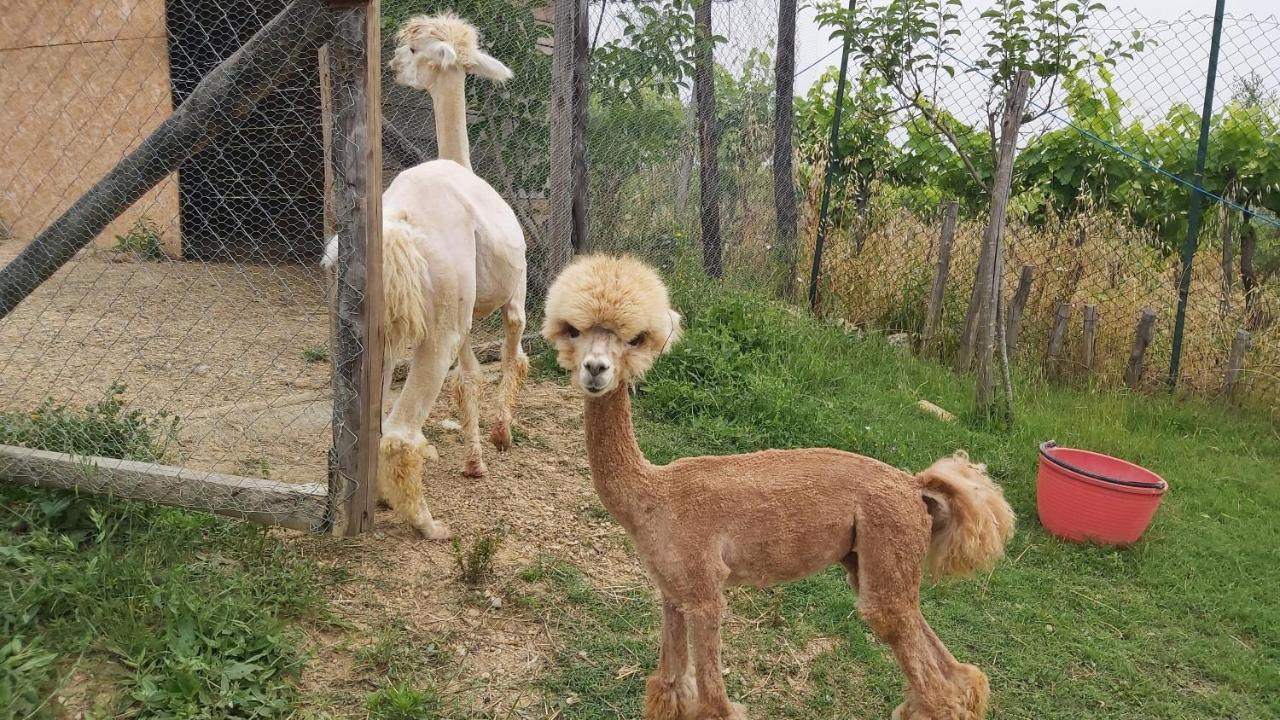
{"x": 193, "y": 333}
{"x": 197, "y": 324}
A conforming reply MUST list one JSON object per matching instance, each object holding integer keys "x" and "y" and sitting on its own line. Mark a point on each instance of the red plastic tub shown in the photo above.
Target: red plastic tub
{"x": 1087, "y": 496}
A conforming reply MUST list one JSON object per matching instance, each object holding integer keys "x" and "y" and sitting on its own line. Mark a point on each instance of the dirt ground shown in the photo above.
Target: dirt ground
{"x": 221, "y": 347}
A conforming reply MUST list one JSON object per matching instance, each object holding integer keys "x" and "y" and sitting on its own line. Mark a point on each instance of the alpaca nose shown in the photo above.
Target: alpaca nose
{"x": 595, "y": 367}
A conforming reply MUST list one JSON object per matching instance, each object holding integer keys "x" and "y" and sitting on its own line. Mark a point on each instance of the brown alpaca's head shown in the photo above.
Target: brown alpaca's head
{"x": 609, "y": 319}
{"x": 430, "y": 47}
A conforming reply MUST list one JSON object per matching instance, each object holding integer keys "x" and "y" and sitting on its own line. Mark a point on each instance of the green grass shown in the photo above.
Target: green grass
{"x": 169, "y": 614}
{"x": 1183, "y": 625}
{"x": 315, "y": 355}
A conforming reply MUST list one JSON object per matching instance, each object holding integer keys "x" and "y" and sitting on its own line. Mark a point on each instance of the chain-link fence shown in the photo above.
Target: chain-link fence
{"x": 190, "y": 338}
{"x": 1099, "y": 215}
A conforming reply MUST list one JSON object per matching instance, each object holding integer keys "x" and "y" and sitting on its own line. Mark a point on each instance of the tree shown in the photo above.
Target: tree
{"x": 866, "y": 153}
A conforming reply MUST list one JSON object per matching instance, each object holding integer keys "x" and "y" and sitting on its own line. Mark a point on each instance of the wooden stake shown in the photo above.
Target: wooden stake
{"x": 357, "y": 158}
{"x": 1235, "y": 362}
{"x": 1058, "y": 339}
{"x": 560, "y": 231}
{"x": 1089, "y": 337}
{"x": 1018, "y": 306}
{"x": 950, "y": 211}
{"x": 1141, "y": 339}
{"x": 708, "y": 139}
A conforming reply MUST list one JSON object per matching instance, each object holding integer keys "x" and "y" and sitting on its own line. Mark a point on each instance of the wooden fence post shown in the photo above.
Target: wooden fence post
{"x": 1089, "y": 338}
{"x": 1018, "y": 306}
{"x": 1235, "y": 362}
{"x": 784, "y": 184}
{"x": 1058, "y": 339}
{"x": 1141, "y": 339}
{"x": 560, "y": 230}
{"x": 950, "y": 211}
{"x": 708, "y": 140}
{"x": 357, "y": 159}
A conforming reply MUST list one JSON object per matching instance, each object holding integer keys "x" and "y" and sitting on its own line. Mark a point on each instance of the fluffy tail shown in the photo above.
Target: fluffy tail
{"x": 406, "y": 295}
{"x": 971, "y": 519}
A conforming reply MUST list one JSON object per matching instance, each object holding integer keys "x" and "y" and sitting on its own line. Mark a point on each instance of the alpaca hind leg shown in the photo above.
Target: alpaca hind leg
{"x": 704, "y": 641}
{"x": 467, "y": 395}
{"x": 938, "y": 686}
{"x": 404, "y": 450}
{"x": 515, "y": 368}
{"x": 670, "y": 693}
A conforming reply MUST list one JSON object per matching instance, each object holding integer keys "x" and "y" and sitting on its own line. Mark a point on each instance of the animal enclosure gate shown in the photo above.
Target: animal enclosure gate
{"x": 168, "y": 161}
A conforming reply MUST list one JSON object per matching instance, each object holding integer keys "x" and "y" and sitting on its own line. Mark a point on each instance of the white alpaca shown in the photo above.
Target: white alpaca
{"x": 435, "y": 54}
{"x": 434, "y": 216}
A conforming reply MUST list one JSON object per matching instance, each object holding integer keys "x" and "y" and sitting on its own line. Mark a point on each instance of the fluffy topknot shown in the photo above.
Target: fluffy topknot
{"x": 618, "y": 293}
{"x": 448, "y": 28}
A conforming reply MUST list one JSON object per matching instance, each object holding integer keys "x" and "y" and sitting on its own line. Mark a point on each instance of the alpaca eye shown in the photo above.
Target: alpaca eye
{"x": 635, "y": 341}
{"x": 571, "y": 330}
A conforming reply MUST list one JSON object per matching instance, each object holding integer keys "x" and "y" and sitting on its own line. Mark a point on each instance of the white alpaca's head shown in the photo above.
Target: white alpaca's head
{"x": 609, "y": 319}
{"x": 431, "y": 47}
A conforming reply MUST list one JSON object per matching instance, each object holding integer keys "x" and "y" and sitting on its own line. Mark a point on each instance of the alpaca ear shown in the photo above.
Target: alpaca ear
{"x": 673, "y": 335}
{"x": 490, "y": 67}
{"x": 439, "y": 53}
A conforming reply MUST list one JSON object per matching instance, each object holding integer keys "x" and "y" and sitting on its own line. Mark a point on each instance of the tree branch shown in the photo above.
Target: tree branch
{"x": 917, "y": 102}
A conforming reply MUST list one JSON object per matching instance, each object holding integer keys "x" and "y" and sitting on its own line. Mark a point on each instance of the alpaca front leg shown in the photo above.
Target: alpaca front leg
{"x": 670, "y": 693}
{"x": 704, "y": 639}
{"x": 404, "y": 450}
{"x": 467, "y": 396}
{"x": 515, "y": 368}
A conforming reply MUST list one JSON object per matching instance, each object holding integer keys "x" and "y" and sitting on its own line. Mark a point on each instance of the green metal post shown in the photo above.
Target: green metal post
{"x": 1197, "y": 198}
{"x": 833, "y": 159}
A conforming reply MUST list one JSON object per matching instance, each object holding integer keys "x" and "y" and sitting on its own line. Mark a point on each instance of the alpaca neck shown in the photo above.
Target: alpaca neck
{"x": 619, "y": 471}
{"x": 449, "y": 102}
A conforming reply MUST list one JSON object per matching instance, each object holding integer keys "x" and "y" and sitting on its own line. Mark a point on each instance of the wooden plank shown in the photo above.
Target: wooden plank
{"x": 1235, "y": 362}
{"x": 300, "y": 507}
{"x": 1089, "y": 337}
{"x": 560, "y": 195}
{"x": 1058, "y": 339}
{"x": 1013, "y": 324}
{"x": 222, "y": 99}
{"x": 357, "y": 159}
{"x": 1141, "y": 340}
{"x": 708, "y": 140}
{"x": 1228, "y": 279}
{"x": 950, "y": 211}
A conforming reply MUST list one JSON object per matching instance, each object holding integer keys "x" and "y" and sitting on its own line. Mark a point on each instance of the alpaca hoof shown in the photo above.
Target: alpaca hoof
{"x": 667, "y": 700}
{"x": 965, "y": 699}
{"x": 435, "y": 530}
{"x": 475, "y": 468}
{"x": 501, "y": 435}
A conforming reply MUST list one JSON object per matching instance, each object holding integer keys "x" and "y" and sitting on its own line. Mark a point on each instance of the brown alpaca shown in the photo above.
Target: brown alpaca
{"x": 701, "y": 524}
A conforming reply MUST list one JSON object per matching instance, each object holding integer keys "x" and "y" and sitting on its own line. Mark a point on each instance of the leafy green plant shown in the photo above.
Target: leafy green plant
{"x": 25, "y": 669}
{"x": 103, "y": 429}
{"x": 475, "y": 566}
{"x": 143, "y": 239}
{"x": 401, "y": 702}
{"x": 315, "y": 354}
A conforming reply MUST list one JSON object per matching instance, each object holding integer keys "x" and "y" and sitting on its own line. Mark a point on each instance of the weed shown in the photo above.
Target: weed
{"x": 103, "y": 428}
{"x": 396, "y": 656}
{"x": 475, "y": 566}
{"x": 256, "y": 466}
{"x": 142, "y": 240}
{"x": 315, "y": 354}
{"x": 401, "y": 702}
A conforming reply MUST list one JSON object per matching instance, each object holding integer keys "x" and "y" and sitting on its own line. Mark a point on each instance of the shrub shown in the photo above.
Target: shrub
{"x": 103, "y": 428}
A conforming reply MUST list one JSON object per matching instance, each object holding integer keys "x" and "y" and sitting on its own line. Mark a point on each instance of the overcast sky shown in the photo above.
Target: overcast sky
{"x": 1171, "y": 72}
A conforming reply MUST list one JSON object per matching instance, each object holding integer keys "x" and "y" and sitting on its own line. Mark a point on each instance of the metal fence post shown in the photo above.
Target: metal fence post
{"x": 1197, "y": 199}
{"x": 833, "y": 158}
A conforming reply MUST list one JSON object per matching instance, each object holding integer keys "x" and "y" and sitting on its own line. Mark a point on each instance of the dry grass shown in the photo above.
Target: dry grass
{"x": 886, "y": 286}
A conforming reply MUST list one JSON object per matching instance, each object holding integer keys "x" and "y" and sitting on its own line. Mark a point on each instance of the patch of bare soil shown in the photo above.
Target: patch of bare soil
{"x": 540, "y": 493}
